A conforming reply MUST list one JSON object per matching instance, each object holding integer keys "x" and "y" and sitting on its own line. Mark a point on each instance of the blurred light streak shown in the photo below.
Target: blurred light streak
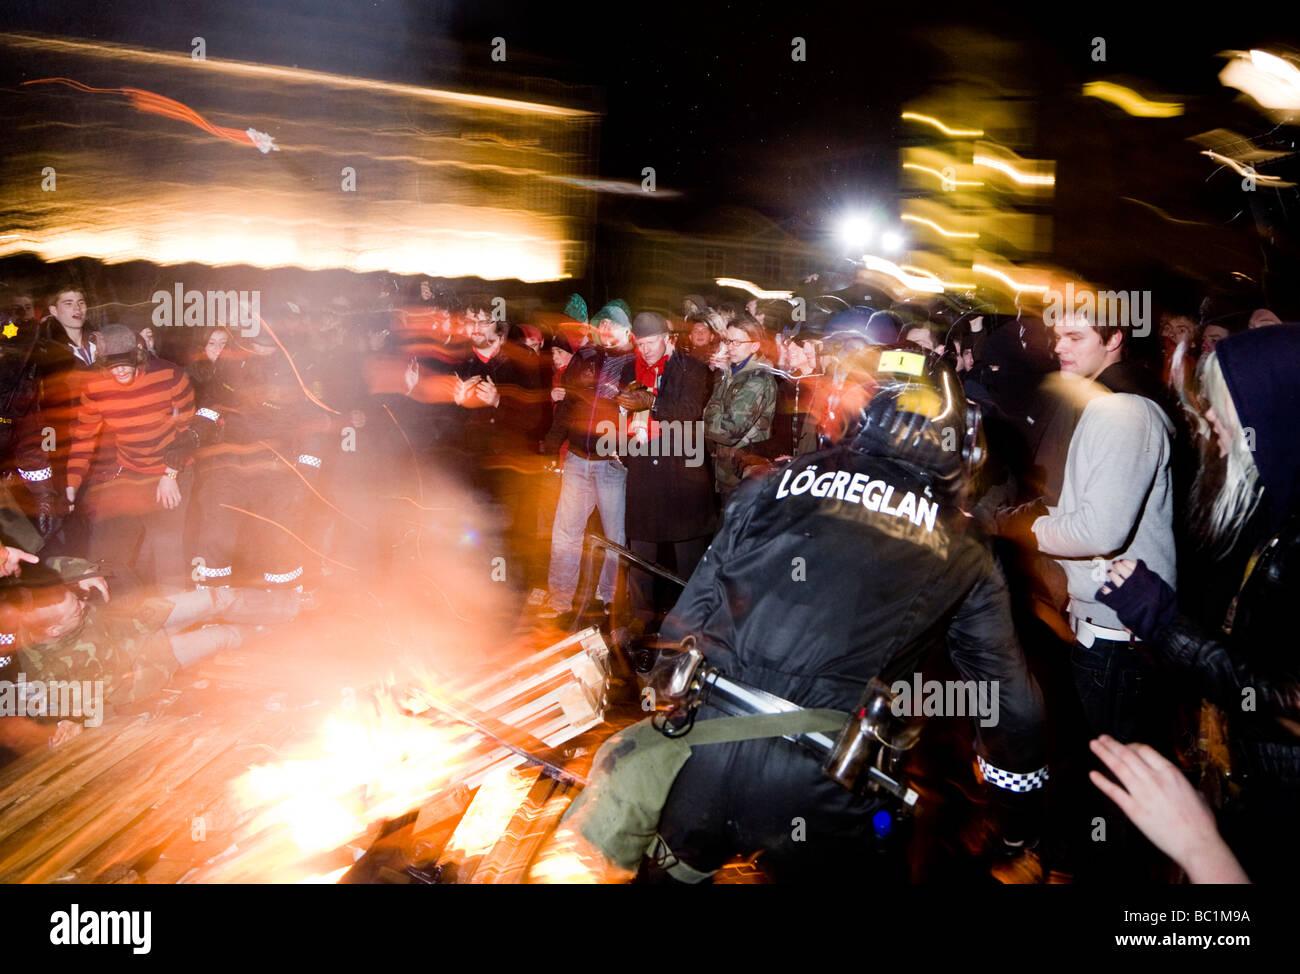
{"x": 890, "y": 269}
{"x": 271, "y": 71}
{"x": 277, "y": 524}
{"x": 939, "y": 176}
{"x": 1163, "y": 215}
{"x": 934, "y": 226}
{"x": 948, "y": 285}
{"x": 1272, "y": 81}
{"x": 1128, "y": 100}
{"x": 446, "y": 184}
{"x": 928, "y": 120}
{"x": 1248, "y": 171}
{"x": 754, "y": 289}
{"x": 1024, "y": 179}
{"x": 1018, "y": 286}
{"x": 156, "y": 104}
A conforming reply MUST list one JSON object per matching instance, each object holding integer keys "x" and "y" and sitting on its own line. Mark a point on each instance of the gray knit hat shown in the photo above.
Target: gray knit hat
{"x": 117, "y": 345}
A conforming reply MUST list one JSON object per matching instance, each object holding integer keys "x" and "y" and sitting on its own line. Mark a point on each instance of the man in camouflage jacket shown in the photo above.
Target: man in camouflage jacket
{"x": 739, "y": 412}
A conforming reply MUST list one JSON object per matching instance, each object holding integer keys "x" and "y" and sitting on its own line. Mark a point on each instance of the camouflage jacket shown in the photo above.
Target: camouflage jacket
{"x": 127, "y": 650}
{"x": 739, "y": 413}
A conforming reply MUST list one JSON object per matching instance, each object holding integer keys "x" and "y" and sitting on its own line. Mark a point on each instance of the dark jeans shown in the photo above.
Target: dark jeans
{"x": 1117, "y": 690}
{"x": 1121, "y": 695}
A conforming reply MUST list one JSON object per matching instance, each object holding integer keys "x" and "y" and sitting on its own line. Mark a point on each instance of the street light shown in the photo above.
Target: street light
{"x": 855, "y": 232}
{"x": 891, "y": 241}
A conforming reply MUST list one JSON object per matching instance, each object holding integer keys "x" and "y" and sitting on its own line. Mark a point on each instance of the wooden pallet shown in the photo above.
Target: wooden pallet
{"x": 152, "y": 798}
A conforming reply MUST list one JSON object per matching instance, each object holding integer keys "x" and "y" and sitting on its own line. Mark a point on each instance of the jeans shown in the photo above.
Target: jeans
{"x": 1117, "y": 691}
{"x": 587, "y": 483}
{"x": 234, "y": 606}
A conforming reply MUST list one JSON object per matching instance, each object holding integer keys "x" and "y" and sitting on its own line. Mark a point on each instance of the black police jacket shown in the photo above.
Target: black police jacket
{"x": 829, "y": 569}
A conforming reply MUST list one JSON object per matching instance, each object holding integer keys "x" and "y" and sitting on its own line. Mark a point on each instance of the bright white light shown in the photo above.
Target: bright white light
{"x": 855, "y": 231}
{"x": 892, "y": 241}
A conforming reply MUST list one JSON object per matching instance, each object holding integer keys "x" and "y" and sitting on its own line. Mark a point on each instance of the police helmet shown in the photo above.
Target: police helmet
{"x": 910, "y": 406}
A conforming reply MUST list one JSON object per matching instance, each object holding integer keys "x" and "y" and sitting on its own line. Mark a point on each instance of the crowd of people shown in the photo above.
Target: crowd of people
{"x": 1140, "y": 498}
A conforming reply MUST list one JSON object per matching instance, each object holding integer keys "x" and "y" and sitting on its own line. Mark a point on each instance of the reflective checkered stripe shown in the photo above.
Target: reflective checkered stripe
{"x": 211, "y": 414}
{"x": 273, "y": 579}
{"x": 207, "y": 572}
{"x": 36, "y": 476}
{"x": 6, "y": 639}
{"x": 310, "y": 460}
{"x": 5, "y": 660}
{"x": 1011, "y": 780}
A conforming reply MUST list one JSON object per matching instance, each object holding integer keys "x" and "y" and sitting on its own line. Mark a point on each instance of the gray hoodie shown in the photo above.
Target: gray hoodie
{"x": 1116, "y": 501}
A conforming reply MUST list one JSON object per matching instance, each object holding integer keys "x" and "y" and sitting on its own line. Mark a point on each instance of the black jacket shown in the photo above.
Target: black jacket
{"x": 588, "y": 410}
{"x": 506, "y": 430}
{"x": 809, "y": 597}
{"x": 668, "y": 499}
{"x": 1256, "y": 663}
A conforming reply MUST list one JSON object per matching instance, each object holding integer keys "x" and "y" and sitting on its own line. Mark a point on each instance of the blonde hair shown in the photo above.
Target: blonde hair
{"x": 1220, "y": 514}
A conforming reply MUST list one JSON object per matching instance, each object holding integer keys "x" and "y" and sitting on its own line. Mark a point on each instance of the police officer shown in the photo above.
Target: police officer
{"x": 264, "y": 439}
{"x": 848, "y": 564}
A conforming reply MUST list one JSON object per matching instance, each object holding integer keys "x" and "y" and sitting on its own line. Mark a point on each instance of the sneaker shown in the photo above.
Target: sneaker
{"x": 537, "y": 597}
{"x": 550, "y": 612}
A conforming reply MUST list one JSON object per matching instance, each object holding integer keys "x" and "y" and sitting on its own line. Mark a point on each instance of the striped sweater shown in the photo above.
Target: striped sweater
{"x": 144, "y": 417}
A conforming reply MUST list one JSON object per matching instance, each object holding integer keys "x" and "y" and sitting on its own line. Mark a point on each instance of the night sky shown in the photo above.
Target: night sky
{"x": 708, "y": 93}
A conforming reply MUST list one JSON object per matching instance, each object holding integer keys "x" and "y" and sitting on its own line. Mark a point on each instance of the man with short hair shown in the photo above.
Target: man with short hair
{"x": 670, "y": 502}
{"x": 742, "y": 405}
{"x": 1112, "y": 499}
{"x": 1116, "y": 501}
{"x": 501, "y": 404}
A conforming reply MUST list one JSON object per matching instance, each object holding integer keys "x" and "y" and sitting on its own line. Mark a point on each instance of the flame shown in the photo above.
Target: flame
{"x": 365, "y": 768}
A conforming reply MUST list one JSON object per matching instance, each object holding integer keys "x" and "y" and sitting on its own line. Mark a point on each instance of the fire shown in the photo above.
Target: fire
{"x": 366, "y": 764}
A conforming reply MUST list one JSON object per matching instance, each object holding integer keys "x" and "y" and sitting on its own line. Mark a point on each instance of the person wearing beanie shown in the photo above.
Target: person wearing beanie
{"x": 145, "y": 403}
{"x": 1242, "y": 662}
{"x": 594, "y": 476}
{"x": 671, "y": 514}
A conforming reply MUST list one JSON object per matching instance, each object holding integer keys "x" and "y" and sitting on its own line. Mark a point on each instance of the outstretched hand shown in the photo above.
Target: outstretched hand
{"x": 1157, "y": 798}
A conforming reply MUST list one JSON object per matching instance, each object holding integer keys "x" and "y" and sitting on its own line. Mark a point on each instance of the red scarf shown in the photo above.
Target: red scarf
{"x": 650, "y": 376}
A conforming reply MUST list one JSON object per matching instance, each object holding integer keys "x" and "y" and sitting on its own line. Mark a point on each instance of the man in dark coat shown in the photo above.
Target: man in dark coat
{"x": 670, "y": 500}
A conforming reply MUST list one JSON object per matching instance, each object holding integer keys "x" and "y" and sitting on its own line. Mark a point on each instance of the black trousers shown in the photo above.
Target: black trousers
{"x": 264, "y": 544}
{"x": 652, "y": 597}
{"x": 770, "y": 795}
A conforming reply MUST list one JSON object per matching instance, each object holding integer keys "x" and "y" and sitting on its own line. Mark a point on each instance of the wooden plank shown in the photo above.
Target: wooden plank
{"x": 24, "y": 807}
{"x": 28, "y": 773}
{"x": 174, "y": 812}
{"x": 129, "y": 812}
{"x": 508, "y": 860}
{"x": 65, "y": 815}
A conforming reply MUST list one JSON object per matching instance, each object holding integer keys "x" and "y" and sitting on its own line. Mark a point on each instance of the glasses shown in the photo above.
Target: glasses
{"x": 740, "y": 341}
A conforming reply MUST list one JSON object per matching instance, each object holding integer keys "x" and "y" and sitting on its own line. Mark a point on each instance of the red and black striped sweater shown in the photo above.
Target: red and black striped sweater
{"x": 144, "y": 416}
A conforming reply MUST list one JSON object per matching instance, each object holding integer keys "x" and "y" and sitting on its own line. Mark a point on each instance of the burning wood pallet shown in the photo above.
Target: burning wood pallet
{"x": 170, "y": 798}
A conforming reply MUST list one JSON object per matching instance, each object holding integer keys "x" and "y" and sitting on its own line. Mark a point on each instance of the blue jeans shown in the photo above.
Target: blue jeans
{"x": 586, "y": 484}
